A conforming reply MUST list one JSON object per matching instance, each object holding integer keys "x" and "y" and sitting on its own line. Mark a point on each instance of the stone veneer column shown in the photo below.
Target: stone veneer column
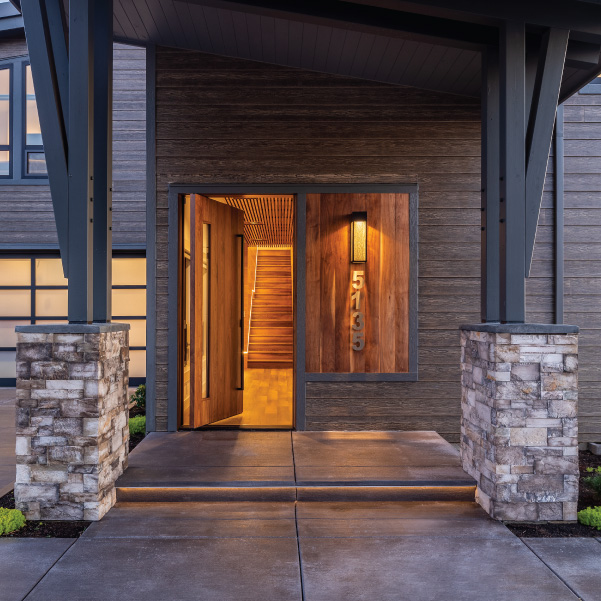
{"x": 519, "y": 425}
{"x": 72, "y": 419}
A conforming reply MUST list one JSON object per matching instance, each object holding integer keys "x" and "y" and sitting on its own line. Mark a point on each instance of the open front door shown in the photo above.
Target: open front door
{"x": 216, "y": 315}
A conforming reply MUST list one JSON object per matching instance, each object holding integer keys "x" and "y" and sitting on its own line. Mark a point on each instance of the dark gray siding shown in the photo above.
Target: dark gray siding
{"x": 27, "y": 218}
{"x": 229, "y": 121}
{"x": 583, "y": 250}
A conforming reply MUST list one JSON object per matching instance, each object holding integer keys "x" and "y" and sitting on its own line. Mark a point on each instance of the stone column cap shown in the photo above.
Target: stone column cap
{"x": 522, "y": 328}
{"x": 73, "y": 328}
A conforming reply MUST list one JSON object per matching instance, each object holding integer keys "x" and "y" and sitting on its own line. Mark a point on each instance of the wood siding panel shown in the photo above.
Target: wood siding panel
{"x": 256, "y": 123}
{"x": 27, "y": 215}
{"x": 582, "y": 232}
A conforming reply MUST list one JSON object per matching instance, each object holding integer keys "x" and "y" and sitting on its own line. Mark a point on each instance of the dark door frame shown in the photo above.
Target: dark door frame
{"x": 300, "y": 376}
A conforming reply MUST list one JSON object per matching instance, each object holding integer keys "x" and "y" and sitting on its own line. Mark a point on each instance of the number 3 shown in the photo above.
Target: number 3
{"x": 360, "y": 321}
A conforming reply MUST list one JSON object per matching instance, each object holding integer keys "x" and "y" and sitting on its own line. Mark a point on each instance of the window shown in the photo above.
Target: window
{"x": 34, "y": 291}
{"x": 5, "y": 114}
{"x": 22, "y": 155}
{"x": 34, "y": 160}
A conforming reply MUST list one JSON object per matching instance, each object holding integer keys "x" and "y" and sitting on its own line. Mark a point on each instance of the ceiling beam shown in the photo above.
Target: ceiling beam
{"x": 369, "y": 19}
{"x": 583, "y": 19}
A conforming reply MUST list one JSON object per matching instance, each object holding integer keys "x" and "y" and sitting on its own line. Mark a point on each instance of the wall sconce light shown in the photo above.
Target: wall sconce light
{"x": 359, "y": 237}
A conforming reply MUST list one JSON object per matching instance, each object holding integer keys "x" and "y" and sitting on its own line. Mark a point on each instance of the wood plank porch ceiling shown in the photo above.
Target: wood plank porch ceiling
{"x": 368, "y": 39}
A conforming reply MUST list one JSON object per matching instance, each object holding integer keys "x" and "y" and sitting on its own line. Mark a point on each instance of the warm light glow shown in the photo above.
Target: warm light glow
{"x": 359, "y": 238}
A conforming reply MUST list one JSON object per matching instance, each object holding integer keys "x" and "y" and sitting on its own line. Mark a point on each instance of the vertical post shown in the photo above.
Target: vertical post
{"x": 80, "y": 164}
{"x": 513, "y": 172}
{"x": 559, "y": 205}
{"x": 103, "y": 159}
{"x": 490, "y": 311}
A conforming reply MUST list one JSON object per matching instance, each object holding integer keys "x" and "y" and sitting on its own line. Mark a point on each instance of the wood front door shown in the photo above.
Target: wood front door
{"x": 216, "y": 310}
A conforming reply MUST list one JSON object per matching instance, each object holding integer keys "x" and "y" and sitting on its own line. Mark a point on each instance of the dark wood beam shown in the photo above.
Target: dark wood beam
{"x": 539, "y": 133}
{"x": 49, "y": 65}
{"x": 370, "y": 19}
{"x": 490, "y": 260}
{"x": 103, "y": 159}
{"x": 512, "y": 172}
{"x": 81, "y": 138}
{"x": 582, "y": 55}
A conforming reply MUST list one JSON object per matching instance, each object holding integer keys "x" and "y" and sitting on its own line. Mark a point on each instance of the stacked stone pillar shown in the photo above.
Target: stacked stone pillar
{"x": 72, "y": 419}
{"x": 519, "y": 426}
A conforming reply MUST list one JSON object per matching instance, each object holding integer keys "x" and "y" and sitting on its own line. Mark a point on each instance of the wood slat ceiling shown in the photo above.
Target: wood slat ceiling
{"x": 268, "y": 220}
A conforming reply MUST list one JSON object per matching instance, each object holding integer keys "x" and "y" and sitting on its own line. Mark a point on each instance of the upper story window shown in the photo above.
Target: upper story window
{"x": 35, "y": 160}
{"x": 21, "y": 149}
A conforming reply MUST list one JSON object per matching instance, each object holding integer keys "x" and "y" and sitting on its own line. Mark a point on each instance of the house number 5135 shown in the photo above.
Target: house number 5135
{"x": 357, "y": 316}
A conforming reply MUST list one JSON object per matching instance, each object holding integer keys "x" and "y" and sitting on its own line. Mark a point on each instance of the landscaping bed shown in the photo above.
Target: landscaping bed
{"x": 587, "y": 497}
{"x": 68, "y": 528}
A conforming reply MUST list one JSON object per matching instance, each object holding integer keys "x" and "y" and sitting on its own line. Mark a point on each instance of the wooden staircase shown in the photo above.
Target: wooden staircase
{"x": 271, "y": 318}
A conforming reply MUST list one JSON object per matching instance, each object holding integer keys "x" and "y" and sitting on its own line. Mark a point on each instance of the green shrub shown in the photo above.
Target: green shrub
{"x": 594, "y": 481}
{"x": 137, "y": 425}
{"x": 139, "y": 397}
{"x": 10, "y": 520}
{"x": 591, "y": 516}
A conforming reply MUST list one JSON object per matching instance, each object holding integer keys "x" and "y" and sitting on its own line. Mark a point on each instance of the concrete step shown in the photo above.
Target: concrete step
{"x": 263, "y": 491}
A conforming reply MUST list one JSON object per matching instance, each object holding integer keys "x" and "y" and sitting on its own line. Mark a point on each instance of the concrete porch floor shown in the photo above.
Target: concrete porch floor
{"x": 294, "y": 466}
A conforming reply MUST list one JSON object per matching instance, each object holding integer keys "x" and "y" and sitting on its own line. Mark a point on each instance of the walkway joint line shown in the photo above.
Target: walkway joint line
{"x": 48, "y": 570}
{"x": 578, "y": 597}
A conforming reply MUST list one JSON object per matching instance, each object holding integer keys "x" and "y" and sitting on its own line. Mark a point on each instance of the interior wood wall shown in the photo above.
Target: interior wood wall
{"x": 27, "y": 215}
{"x": 222, "y": 120}
{"x": 385, "y": 293}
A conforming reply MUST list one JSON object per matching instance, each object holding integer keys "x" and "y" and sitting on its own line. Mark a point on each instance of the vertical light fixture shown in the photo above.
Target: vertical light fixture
{"x": 359, "y": 237}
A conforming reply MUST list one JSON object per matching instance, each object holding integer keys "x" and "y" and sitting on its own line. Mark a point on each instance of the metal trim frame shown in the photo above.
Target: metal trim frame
{"x": 559, "y": 216}
{"x": 151, "y": 251}
{"x": 301, "y": 377}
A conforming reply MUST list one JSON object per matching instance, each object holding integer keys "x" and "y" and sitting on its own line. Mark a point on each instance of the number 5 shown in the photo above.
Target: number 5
{"x": 358, "y": 277}
{"x": 358, "y": 341}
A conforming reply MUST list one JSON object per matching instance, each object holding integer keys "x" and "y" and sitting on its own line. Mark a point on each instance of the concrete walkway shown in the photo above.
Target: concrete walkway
{"x": 315, "y": 551}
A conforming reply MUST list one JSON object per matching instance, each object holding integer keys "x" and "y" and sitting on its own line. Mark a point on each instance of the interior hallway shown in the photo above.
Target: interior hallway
{"x": 267, "y": 399}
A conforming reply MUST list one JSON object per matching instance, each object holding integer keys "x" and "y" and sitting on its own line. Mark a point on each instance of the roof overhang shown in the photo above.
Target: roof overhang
{"x": 430, "y": 44}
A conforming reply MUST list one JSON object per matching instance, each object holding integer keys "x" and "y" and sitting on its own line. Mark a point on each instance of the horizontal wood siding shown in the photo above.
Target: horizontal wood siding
{"x": 582, "y": 149}
{"x": 27, "y": 216}
{"x": 223, "y": 120}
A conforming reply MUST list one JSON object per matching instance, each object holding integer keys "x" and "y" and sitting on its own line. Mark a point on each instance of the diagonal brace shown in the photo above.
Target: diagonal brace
{"x": 46, "y": 41}
{"x": 540, "y": 127}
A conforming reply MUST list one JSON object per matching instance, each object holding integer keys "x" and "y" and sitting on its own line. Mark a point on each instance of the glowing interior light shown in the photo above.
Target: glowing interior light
{"x": 359, "y": 237}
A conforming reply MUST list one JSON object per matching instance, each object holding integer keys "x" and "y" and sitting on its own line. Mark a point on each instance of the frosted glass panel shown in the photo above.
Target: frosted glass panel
{"x": 5, "y": 107}
{"x": 36, "y": 163}
{"x": 15, "y": 303}
{"x": 8, "y": 365}
{"x": 129, "y": 272}
{"x": 15, "y": 272}
{"x": 129, "y": 302}
{"x": 137, "y": 364}
{"x": 49, "y": 272}
{"x": 51, "y": 303}
{"x": 137, "y": 332}
{"x": 4, "y": 162}
{"x": 34, "y": 132}
{"x": 8, "y": 336}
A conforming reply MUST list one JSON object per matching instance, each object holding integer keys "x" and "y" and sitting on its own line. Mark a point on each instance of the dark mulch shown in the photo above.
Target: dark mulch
{"x": 58, "y": 528}
{"x": 587, "y": 498}
{"x": 43, "y": 529}
{"x": 135, "y": 440}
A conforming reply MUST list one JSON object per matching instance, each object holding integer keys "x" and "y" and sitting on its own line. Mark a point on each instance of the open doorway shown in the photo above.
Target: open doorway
{"x": 237, "y": 311}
